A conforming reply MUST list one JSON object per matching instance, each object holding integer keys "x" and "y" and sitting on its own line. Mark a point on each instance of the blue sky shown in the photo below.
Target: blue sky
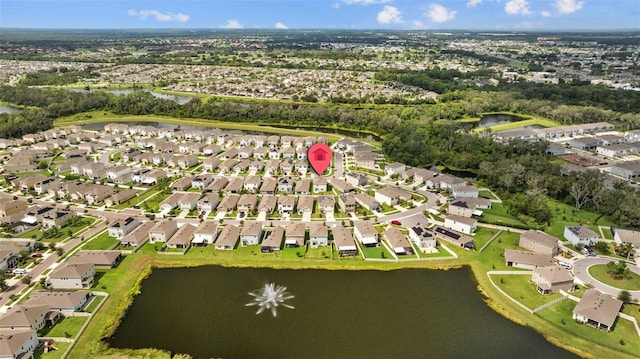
{"x": 327, "y": 14}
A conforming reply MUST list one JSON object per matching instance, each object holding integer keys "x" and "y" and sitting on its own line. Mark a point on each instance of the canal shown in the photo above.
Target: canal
{"x": 411, "y": 313}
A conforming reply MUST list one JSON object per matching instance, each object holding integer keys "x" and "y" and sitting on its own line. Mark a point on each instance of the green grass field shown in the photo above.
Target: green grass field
{"x": 599, "y": 272}
{"x": 100, "y": 242}
{"x": 520, "y": 289}
{"x": 53, "y": 354}
{"x": 68, "y": 327}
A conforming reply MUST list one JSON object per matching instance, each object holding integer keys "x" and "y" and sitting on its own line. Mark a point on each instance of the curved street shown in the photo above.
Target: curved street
{"x": 581, "y": 272}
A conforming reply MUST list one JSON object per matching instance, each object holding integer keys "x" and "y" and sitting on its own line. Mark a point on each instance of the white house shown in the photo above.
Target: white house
{"x": 122, "y": 227}
{"x": 580, "y": 235}
{"x": 366, "y": 233}
{"x": 72, "y": 275}
{"x": 318, "y": 235}
{"x": 206, "y": 233}
{"x": 395, "y": 168}
{"x": 465, "y": 191}
{"x": 423, "y": 238}
{"x": 251, "y": 233}
{"x": 460, "y": 223}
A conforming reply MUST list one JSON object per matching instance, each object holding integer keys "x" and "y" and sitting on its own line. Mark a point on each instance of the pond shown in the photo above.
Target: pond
{"x": 9, "y": 109}
{"x": 497, "y": 119}
{"x": 409, "y": 313}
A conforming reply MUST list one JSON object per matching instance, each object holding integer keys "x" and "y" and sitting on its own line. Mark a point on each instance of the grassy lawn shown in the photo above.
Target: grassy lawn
{"x": 440, "y": 253}
{"x": 291, "y": 253}
{"x": 67, "y": 327}
{"x": 34, "y": 233}
{"x": 100, "y": 242}
{"x": 492, "y": 257}
{"x": 520, "y": 289}
{"x": 94, "y": 303}
{"x": 153, "y": 203}
{"x": 563, "y": 215}
{"x": 487, "y": 194}
{"x": 136, "y": 200}
{"x": 607, "y": 233}
{"x": 498, "y": 215}
{"x": 376, "y": 252}
{"x": 318, "y": 253}
{"x": 561, "y": 316}
{"x": 65, "y": 231}
{"x": 483, "y": 235}
{"x": 632, "y": 310}
{"x": 53, "y": 354}
{"x": 599, "y": 272}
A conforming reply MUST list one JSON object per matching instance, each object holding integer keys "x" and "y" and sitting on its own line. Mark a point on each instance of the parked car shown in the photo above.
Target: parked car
{"x": 395, "y": 222}
{"x": 19, "y": 271}
{"x": 37, "y": 255}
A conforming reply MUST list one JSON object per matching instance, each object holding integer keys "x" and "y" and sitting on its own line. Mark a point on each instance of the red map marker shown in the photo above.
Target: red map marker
{"x": 319, "y": 156}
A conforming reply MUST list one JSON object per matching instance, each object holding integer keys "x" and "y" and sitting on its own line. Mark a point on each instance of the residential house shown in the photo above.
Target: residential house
{"x": 319, "y": 185}
{"x": 206, "y": 233}
{"x": 272, "y": 240}
{"x": 286, "y": 204}
{"x": 99, "y": 258}
{"x": 398, "y": 241}
{"x": 341, "y": 186}
{"x": 98, "y": 193}
{"x": 468, "y": 207}
{"x": 228, "y": 238}
{"x": 56, "y": 218}
{"x": 366, "y": 160}
{"x": 624, "y": 236}
{"x": 29, "y": 182}
{"x": 247, "y": 203}
{"x": 138, "y": 236}
{"x": 252, "y": 183}
{"x": 182, "y": 238}
{"x": 552, "y": 279}
{"x": 256, "y": 165}
{"x": 72, "y": 275}
{"x": 367, "y": 202}
{"x": 356, "y": 179}
{"x": 122, "y": 227}
{"x": 162, "y": 231}
{"x": 389, "y": 196}
{"x": 217, "y": 185}
{"x": 305, "y": 204}
{"x": 228, "y": 203}
{"x": 627, "y": 170}
{"x": 285, "y": 184}
{"x": 251, "y": 233}
{"x": 188, "y": 201}
{"x": 18, "y": 343}
{"x": 580, "y": 235}
{"x": 119, "y": 174}
{"x": 460, "y": 224}
{"x": 395, "y": 169}
{"x": 46, "y": 184}
{"x": 366, "y": 233}
{"x": 454, "y": 237}
{"x": 318, "y": 235}
{"x": 201, "y": 181}
{"x": 525, "y": 259}
{"x": 235, "y": 185}
{"x": 170, "y": 202}
{"x": 210, "y": 163}
{"x": 268, "y": 203}
{"x": 227, "y": 165}
{"x": 326, "y": 204}
{"x": 208, "y": 203}
{"x": 268, "y": 186}
{"x": 294, "y": 237}
{"x": 539, "y": 242}
{"x": 465, "y": 191}
{"x": 65, "y": 302}
{"x": 32, "y": 317}
{"x": 9, "y": 259}
{"x": 182, "y": 184}
{"x": 597, "y": 309}
{"x": 344, "y": 242}
{"x": 286, "y": 166}
{"x": 120, "y": 197}
{"x": 423, "y": 237}
{"x": 347, "y": 203}
{"x": 303, "y": 186}
{"x": 8, "y": 208}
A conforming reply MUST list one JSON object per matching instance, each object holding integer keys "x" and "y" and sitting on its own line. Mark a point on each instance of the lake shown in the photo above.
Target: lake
{"x": 497, "y": 119}
{"x": 411, "y": 313}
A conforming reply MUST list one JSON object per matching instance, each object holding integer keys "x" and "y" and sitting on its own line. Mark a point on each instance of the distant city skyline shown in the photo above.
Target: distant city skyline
{"x": 498, "y": 15}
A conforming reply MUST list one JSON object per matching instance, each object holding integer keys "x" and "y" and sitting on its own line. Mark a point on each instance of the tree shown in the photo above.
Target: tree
{"x": 617, "y": 270}
{"x": 585, "y": 186}
{"x": 26, "y": 280}
{"x": 625, "y": 297}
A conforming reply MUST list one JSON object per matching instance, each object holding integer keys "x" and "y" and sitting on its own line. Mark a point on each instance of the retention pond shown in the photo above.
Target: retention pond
{"x": 410, "y": 313}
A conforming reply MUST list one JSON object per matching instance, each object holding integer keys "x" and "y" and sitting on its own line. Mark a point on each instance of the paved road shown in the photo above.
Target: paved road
{"x": 581, "y": 271}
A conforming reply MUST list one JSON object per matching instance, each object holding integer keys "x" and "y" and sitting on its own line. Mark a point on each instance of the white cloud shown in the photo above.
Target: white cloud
{"x": 365, "y": 2}
{"x": 545, "y": 13}
{"x": 568, "y": 6}
{"x": 439, "y": 14}
{"x": 159, "y": 16}
{"x": 389, "y": 15}
{"x": 417, "y": 24}
{"x": 517, "y": 7}
{"x": 232, "y": 24}
{"x": 473, "y": 3}
{"x": 280, "y": 25}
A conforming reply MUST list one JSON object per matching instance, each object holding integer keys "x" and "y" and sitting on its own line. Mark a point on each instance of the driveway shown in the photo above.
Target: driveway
{"x": 581, "y": 271}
